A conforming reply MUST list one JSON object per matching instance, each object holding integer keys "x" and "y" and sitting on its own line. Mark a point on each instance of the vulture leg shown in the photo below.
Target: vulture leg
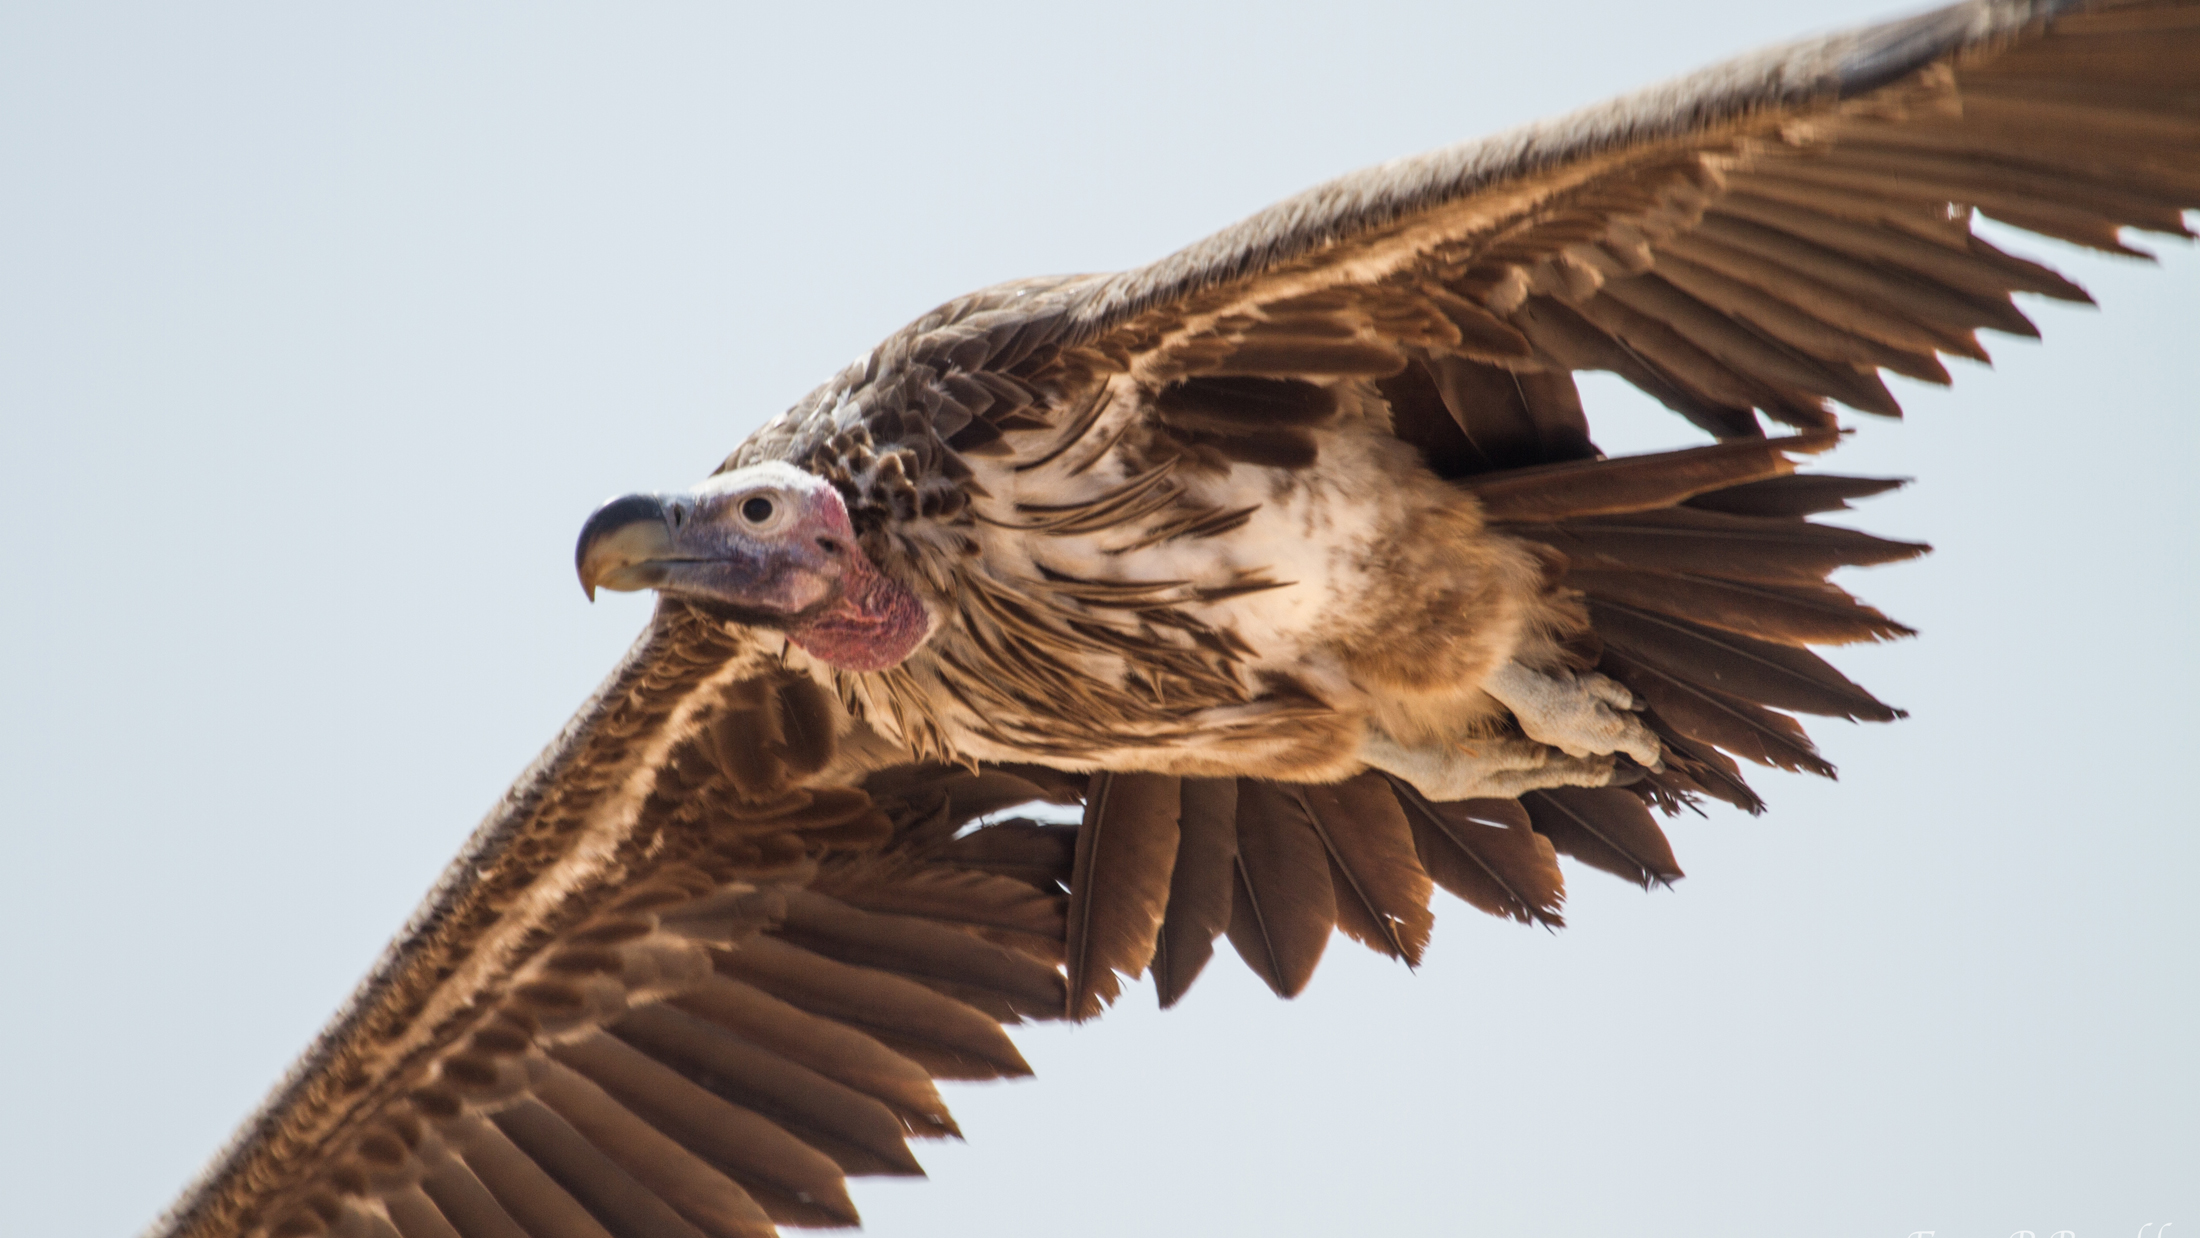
{"x": 1580, "y": 715}
{"x": 1495, "y": 767}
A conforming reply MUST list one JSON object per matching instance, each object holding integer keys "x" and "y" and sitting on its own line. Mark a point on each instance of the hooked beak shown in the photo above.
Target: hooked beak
{"x": 766, "y": 569}
{"x": 626, "y": 546}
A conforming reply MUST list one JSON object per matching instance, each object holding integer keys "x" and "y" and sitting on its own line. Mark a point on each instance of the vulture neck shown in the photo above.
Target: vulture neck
{"x": 874, "y": 623}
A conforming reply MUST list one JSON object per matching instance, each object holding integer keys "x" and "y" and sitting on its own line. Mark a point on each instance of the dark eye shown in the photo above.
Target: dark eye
{"x": 757, "y": 510}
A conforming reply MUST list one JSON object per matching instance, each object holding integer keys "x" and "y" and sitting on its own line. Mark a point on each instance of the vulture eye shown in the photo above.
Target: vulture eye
{"x": 758, "y": 510}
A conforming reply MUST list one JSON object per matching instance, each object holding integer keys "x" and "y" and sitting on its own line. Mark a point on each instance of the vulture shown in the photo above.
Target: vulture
{"x": 1286, "y": 567}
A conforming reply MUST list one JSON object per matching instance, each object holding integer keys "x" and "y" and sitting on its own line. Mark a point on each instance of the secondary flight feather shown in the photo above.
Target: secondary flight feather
{"x": 1289, "y": 557}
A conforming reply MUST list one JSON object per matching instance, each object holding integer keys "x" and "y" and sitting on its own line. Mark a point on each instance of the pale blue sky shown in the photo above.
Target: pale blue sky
{"x": 322, "y": 328}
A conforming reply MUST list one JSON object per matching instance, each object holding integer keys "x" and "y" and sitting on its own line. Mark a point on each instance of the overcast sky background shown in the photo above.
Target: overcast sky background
{"x": 322, "y": 328}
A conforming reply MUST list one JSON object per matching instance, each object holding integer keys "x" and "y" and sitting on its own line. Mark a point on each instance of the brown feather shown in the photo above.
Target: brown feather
{"x": 1891, "y": 208}
{"x": 2135, "y": 19}
{"x": 2075, "y": 113}
{"x": 946, "y": 1037}
{"x": 1200, "y": 885}
{"x": 1989, "y": 184}
{"x": 1419, "y": 415}
{"x": 1693, "y": 767}
{"x": 806, "y": 719}
{"x": 1141, "y": 496}
{"x": 922, "y": 951}
{"x": 624, "y": 1206}
{"x": 1748, "y": 352}
{"x": 1126, "y": 849}
{"x": 1795, "y": 320}
{"x": 858, "y": 1132}
{"x": 1381, "y": 889}
{"x": 930, "y": 803}
{"x": 1266, "y": 356}
{"x": 459, "y": 1194}
{"x": 1715, "y": 544}
{"x": 1740, "y": 727}
{"x": 1233, "y": 404}
{"x": 416, "y": 1216}
{"x": 1789, "y": 614}
{"x": 703, "y": 1196}
{"x": 1919, "y": 299}
{"x": 1483, "y": 336}
{"x": 1511, "y": 420}
{"x": 1656, "y": 341}
{"x": 1041, "y": 854}
{"x": 838, "y": 1052}
{"x": 752, "y": 1151}
{"x": 1978, "y": 269}
{"x": 1000, "y": 909}
{"x": 2077, "y": 227}
{"x": 1604, "y": 827}
{"x": 537, "y": 1202}
{"x": 1881, "y": 318}
{"x": 1484, "y": 852}
{"x": 1578, "y": 488}
{"x": 1284, "y": 903}
{"x": 1752, "y": 670}
{"x": 1561, "y": 333}
{"x": 1794, "y": 496}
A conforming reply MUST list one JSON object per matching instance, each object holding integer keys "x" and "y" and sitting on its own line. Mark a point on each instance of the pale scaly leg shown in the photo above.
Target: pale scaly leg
{"x": 1581, "y": 715}
{"x": 1495, "y": 768}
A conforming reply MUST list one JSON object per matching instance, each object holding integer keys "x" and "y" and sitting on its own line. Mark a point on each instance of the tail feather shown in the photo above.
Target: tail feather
{"x": 1119, "y": 892}
{"x": 1285, "y": 903}
{"x": 1795, "y": 496}
{"x": 1787, "y": 614}
{"x": 1200, "y": 886}
{"x": 1604, "y": 827}
{"x": 1781, "y": 676}
{"x": 1382, "y": 891}
{"x": 1485, "y": 852}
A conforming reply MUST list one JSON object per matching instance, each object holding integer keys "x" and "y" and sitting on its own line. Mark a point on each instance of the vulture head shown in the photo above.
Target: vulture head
{"x": 768, "y": 546}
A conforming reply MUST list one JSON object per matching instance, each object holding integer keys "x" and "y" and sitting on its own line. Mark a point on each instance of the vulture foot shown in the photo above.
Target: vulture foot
{"x": 1580, "y": 715}
{"x": 1500, "y": 767}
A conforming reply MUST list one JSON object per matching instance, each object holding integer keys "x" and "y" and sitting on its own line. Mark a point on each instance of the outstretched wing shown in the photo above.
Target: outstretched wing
{"x": 1764, "y": 235}
{"x": 683, "y": 981}
{"x": 1761, "y": 237}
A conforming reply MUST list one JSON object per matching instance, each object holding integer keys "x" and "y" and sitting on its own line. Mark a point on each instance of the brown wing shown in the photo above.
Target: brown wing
{"x": 684, "y": 982}
{"x": 1763, "y": 235}
{"x": 1760, "y": 238}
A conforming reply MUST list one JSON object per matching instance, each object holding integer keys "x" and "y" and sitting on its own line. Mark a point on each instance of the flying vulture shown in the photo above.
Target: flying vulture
{"x": 1289, "y": 560}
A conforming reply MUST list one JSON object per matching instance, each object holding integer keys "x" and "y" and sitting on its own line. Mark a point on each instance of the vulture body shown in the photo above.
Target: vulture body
{"x": 1290, "y": 558}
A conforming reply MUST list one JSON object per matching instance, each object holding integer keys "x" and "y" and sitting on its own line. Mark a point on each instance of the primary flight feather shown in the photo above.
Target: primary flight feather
{"x": 1289, "y": 557}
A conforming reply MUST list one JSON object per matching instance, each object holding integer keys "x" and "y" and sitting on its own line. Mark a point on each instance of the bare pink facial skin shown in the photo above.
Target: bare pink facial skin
{"x": 768, "y": 545}
{"x": 874, "y": 621}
